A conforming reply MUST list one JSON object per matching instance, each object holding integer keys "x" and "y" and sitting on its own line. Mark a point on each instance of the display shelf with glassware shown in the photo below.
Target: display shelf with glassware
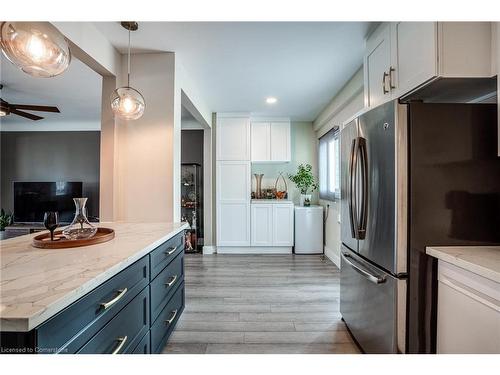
{"x": 192, "y": 205}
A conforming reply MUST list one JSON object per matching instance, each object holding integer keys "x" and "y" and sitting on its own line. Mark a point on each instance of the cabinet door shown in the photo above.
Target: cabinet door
{"x": 261, "y": 141}
{"x": 262, "y": 224}
{"x": 280, "y": 141}
{"x": 233, "y": 138}
{"x": 283, "y": 225}
{"x": 468, "y": 312}
{"x": 233, "y": 224}
{"x": 376, "y": 66}
{"x": 233, "y": 203}
{"x": 414, "y": 54}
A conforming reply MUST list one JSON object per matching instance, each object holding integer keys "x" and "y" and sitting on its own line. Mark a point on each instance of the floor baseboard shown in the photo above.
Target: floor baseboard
{"x": 208, "y": 250}
{"x": 334, "y": 256}
{"x": 254, "y": 250}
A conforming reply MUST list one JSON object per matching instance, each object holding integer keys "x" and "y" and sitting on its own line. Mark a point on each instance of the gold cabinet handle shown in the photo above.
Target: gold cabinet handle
{"x": 121, "y": 342}
{"x": 121, "y": 293}
{"x": 172, "y": 281}
{"x": 171, "y": 251}
{"x": 391, "y": 70}
{"x": 172, "y": 318}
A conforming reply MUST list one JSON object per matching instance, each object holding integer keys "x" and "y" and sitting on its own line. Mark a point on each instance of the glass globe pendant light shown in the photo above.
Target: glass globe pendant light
{"x": 37, "y": 48}
{"x": 126, "y": 102}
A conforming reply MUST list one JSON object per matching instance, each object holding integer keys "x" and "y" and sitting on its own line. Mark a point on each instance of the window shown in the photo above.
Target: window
{"x": 329, "y": 165}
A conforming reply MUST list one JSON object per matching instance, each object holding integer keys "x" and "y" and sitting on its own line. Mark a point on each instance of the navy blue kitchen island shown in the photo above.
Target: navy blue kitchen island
{"x": 134, "y": 310}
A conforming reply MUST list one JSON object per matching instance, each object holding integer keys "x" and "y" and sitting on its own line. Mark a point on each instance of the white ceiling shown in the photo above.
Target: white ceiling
{"x": 237, "y": 65}
{"x": 76, "y": 92}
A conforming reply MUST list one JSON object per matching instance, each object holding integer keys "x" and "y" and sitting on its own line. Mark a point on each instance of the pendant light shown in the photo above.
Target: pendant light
{"x": 126, "y": 102}
{"x": 37, "y": 48}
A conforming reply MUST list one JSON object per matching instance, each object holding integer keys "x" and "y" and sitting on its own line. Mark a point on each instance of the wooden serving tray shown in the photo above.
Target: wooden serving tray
{"x": 60, "y": 242}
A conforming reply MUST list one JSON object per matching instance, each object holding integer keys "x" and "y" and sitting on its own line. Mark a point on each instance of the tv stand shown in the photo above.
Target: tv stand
{"x": 19, "y": 229}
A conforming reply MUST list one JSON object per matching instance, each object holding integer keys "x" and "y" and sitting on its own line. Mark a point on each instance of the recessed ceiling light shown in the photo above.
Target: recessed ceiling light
{"x": 271, "y": 100}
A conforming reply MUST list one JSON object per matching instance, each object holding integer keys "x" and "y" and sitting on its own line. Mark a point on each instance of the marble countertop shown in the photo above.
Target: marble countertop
{"x": 274, "y": 201}
{"x": 481, "y": 260}
{"x": 35, "y": 284}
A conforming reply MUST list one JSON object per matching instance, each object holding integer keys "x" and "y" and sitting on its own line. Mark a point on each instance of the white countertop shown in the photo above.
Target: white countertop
{"x": 35, "y": 284}
{"x": 273, "y": 201}
{"x": 481, "y": 260}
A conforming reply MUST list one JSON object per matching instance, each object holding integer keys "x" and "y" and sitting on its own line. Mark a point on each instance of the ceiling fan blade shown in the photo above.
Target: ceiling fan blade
{"x": 41, "y": 108}
{"x": 26, "y": 115}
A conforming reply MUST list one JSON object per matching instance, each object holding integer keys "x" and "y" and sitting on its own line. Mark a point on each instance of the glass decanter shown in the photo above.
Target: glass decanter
{"x": 80, "y": 228}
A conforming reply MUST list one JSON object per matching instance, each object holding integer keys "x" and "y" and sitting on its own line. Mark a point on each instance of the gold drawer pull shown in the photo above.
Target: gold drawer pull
{"x": 121, "y": 341}
{"x": 171, "y": 251}
{"x": 172, "y": 318}
{"x": 121, "y": 293}
{"x": 172, "y": 281}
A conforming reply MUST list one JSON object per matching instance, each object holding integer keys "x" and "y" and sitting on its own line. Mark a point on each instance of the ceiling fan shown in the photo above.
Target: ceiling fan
{"x": 7, "y": 108}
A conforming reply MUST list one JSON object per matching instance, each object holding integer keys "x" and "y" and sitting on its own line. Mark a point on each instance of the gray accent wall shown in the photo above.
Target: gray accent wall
{"x": 50, "y": 156}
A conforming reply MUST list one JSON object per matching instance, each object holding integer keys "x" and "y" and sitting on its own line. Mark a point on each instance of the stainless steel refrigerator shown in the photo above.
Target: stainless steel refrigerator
{"x": 413, "y": 175}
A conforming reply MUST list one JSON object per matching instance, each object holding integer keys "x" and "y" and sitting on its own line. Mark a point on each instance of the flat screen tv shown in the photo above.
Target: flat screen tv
{"x": 32, "y": 199}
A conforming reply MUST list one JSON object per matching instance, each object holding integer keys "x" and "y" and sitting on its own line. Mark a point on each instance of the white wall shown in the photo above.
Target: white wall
{"x": 144, "y": 150}
{"x": 303, "y": 151}
{"x": 92, "y": 47}
{"x": 50, "y": 126}
{"x": 345, "y": 104}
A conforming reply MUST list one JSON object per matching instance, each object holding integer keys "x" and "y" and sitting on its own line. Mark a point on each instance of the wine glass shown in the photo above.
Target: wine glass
{"x": 51, "y": 222}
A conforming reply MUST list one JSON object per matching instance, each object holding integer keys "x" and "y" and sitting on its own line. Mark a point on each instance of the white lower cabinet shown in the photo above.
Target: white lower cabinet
{"x": 233, "y": 224}
{"x": 272, "y": 224}
{"x": 283, "y": 224}
{"x": 468, "y": 318}
{"x": 262, "y": 224}
{"x": 233, "y": 203}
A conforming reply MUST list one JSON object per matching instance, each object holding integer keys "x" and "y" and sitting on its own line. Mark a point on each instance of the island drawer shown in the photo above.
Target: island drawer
{"x": 165, "y": 253}
{"x": 70, "y": 329}
{"x": 164, "y": 325}
{"x": 164, "y": 285}
{"x": 124, "y": 331}
{"x": 144, "y": 345}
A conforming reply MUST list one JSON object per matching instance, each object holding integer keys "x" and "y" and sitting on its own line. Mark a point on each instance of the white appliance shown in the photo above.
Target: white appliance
{"x": 309, "y": 230}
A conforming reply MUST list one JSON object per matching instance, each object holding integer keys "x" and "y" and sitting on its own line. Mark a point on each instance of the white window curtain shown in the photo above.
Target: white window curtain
{"x": 329, "y": 165}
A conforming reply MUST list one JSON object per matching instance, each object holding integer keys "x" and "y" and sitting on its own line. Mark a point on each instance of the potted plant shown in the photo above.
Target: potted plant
{"x": 305, "y": 182}
{"x": 5, "y": 220}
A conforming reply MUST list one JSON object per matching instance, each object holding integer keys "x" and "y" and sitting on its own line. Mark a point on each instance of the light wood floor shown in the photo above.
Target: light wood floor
{"x": 261, "y": 304}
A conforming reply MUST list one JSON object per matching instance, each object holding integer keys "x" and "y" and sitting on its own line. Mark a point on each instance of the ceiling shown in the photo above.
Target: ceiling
{"x": 237, "y": 65}
{"x": 76, "y": 92}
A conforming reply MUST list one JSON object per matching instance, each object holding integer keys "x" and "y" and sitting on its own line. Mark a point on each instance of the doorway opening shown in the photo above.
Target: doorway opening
{"x": 192, "y": 184}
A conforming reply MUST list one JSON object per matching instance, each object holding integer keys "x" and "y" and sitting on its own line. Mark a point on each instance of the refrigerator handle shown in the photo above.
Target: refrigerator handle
{"x": 362, "y": 271}
{"x": 352, "y": 183}
{"x": 361, "y": 230}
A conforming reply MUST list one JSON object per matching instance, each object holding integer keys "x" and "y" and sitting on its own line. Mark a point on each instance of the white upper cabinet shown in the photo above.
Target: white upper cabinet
{"x": 415, "y": 55}
{"x": 261, "y": 141}
{"x": 402, "y": 56}
{"x": 376, "y": 66}
{"x": 280, "y": 141}
{"x": 233, "y": 138}
{"x": 271, "y": 141}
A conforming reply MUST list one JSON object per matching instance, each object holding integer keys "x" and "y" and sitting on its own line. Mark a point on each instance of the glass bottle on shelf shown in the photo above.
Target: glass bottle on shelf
{"x": 193, "y": 229}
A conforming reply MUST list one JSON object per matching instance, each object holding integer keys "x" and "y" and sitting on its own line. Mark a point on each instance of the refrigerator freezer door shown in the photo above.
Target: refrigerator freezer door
{"x": 370, "y": 305}
{"x": 347, "y": 138}
{"x": 378, "y": 129}
{"x": 454, "y": 198}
